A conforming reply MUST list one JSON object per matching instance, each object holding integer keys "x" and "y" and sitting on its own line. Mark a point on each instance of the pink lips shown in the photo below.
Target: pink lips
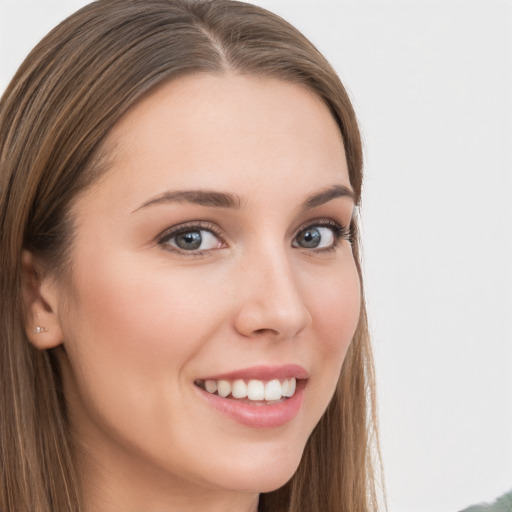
{"x": 263, "y": 373}
{"x": 260, "y": 415}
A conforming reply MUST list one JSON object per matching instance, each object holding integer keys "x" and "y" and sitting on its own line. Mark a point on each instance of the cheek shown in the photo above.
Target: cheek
{"x": 133, "y": 337}
{"x": 133, "y": 324}
{"x": 335, "y": 310}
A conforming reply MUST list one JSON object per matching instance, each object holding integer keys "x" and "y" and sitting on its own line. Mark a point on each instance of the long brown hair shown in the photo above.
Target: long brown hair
{"x": 54, "y": 115}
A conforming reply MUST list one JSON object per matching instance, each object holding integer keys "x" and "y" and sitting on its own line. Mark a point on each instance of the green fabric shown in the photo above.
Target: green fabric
{"x": 503, "y": 504}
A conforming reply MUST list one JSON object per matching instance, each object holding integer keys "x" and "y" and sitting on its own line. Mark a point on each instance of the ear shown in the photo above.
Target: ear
{"x": 40, "y": 303}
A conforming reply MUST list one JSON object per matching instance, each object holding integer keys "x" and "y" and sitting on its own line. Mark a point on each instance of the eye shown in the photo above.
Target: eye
{"x": 321, "y": 236}
{"x": 191, "y": 239}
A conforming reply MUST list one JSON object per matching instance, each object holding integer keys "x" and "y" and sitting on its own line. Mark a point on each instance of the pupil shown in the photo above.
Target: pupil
{"x": 310, "y": 238}
{"x": 189, "y": 241}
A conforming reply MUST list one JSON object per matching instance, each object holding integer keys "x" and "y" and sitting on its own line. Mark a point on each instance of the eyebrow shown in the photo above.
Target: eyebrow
{"x": 200, "y": 197}
{"x": 327, "y": 195}
{"x": 227, "y": 200}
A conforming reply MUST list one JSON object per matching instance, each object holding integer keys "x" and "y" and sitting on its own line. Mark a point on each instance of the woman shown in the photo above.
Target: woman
{"x": 184, "y": 324}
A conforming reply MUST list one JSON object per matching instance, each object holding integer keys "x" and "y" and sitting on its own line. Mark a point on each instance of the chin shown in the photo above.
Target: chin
{"x": 262, "y": 473}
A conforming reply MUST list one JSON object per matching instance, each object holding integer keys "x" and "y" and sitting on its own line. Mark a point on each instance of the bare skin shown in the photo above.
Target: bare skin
{"x": 170, "y": 287}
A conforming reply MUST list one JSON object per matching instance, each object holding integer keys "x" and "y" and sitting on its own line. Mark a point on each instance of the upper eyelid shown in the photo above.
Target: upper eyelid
{"x": 322, "y": 221}
{"x": 189, "y": 226}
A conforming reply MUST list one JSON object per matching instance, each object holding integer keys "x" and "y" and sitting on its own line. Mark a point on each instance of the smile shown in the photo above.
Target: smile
{"x": 260, "y": 397}
{"x": 271, "y": 391}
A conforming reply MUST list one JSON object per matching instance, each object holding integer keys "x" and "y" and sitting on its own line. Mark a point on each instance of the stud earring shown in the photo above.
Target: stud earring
{"x": 39, "y": 329}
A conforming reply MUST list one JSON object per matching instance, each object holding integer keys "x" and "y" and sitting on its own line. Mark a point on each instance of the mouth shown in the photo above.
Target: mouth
{"x": 253, "y": 391}
{"x": 259, "y": 397}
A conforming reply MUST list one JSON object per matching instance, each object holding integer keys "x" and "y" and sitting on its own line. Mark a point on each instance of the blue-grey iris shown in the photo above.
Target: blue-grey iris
{"x": 309, "y": 238}
{"x": 189, "y": 241}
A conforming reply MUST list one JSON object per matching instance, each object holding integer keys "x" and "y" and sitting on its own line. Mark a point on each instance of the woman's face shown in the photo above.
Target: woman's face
{"x": 214, "y": 253}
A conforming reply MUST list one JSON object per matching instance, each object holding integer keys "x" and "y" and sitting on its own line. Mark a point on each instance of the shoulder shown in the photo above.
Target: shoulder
{"x": 502, "y": 504}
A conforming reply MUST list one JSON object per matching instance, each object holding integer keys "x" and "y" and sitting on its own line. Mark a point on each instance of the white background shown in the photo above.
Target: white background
{"x": 432, "y": 84}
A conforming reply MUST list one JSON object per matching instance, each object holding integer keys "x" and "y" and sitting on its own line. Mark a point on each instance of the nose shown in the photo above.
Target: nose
{"x": 270, "y": 300}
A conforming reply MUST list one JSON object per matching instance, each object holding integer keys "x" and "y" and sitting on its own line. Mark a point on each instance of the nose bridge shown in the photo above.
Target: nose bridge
{"x": 273, "y": 302}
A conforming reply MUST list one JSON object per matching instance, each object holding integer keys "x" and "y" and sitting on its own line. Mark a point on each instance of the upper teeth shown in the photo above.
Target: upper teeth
{"x": 253, "y": 390}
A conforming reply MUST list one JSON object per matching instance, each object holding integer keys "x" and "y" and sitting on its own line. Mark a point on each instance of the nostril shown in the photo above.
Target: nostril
{"x": 266, "y": 332}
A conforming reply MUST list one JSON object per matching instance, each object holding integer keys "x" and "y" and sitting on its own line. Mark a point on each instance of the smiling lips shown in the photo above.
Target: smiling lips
{"x": 238, "y": 394}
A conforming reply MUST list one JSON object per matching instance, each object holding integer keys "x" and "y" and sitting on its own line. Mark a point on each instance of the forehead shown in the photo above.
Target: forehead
{"x": 227, "y": 131}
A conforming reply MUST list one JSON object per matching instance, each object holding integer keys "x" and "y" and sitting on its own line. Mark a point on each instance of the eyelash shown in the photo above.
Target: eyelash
{"x": 340, "y": 232}
{"x": 186, "y": 228}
